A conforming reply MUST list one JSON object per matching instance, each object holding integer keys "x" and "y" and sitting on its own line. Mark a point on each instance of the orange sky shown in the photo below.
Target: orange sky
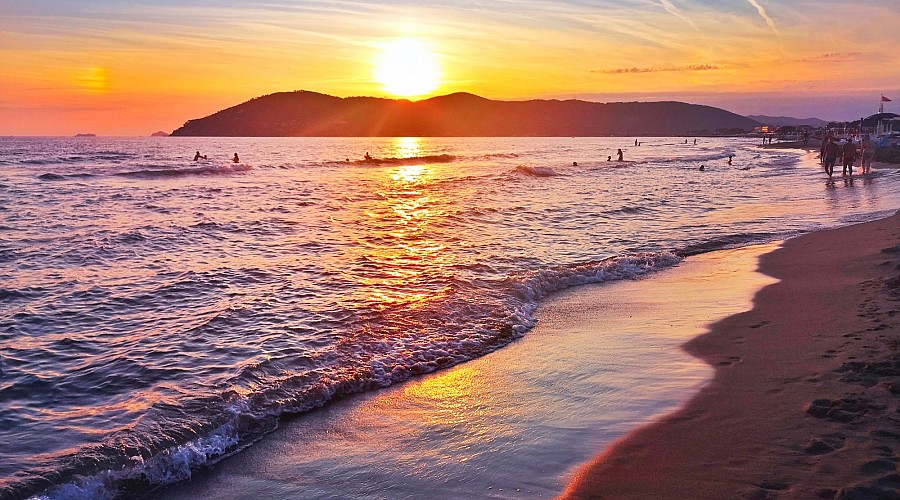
{"x": 130, "y": 68}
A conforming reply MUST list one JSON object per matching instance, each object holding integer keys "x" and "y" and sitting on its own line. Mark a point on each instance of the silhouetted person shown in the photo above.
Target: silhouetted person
{"x": 729, "y": 159}
{"x": 574, "y": 163}
{"x": 635, "y": 142}
{"x": 609, "y": 158}
{"x": 868, "y": 154}
{"x": 619, "y": 152}
{"x": 822, "y": 150}
{"x": 702, "y": 168}
{"x": 197, "y": 156}
{"x": 695, "y": 142}
{"x": 849, "y": 155}
{"x": 831, "y": 154}
{"x": 367, "y": 157}
{"x": 236, "y": 159}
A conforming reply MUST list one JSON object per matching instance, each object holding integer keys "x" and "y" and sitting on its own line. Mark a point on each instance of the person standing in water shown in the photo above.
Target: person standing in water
{"x": 868, "y": 154}
{"x": 848, "y": 152}
{"x": 619, "y": 152}
{"x": 236, "y": 159}
{"x": 822, "y": 150}
{"x": 831, "y": 154}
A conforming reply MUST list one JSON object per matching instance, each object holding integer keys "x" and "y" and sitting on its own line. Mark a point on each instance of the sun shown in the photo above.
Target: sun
{"x": 407, "y": 68}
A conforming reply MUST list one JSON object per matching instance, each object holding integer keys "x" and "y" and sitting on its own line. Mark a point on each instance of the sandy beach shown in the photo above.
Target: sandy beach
{"x": 804, "y": 402}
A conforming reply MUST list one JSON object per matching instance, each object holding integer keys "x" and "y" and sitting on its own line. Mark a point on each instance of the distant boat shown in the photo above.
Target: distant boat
{"x": 85, "y": 135}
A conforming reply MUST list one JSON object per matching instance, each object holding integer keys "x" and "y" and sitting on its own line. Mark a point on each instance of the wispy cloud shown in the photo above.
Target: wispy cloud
{"x": 832, "y": 57}
{"x": 764, "y": 15}
{"x": 671, "y": 9}
{"x": 691, "y": 67}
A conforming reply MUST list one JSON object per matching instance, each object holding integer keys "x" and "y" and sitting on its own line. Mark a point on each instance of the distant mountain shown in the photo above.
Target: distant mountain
{"x": 780, "y": 121}
{"x": 159, "y": 134}
{"x": 304, "y": 113}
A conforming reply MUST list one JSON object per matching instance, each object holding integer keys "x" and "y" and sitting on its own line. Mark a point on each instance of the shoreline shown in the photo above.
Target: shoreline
{"x": 804, "y": 401}
{"x": 518, "y": 422}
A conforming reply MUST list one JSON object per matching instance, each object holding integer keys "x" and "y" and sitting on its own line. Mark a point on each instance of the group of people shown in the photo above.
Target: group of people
{"x": 848, "y": 152}
{"x": 198, "y": 157}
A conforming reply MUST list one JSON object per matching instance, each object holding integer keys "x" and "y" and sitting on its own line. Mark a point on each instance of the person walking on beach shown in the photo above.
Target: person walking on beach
{"x": 822, "y": 150}
{"x": 868, "y": 154}
{"x": 849, "y": 157}
{"x": 831, "y": 154}
{"x": 619, "y": 152}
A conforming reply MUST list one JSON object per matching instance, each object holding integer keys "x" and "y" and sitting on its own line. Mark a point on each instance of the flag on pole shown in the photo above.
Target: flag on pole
{"x": 885, "y": 99}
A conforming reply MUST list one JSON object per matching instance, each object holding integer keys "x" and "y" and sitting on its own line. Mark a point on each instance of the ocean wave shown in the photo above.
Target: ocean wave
{"x": 630, "y": 210}
{"x": 729, "y": 241}
{"x": 537, "y": 285}
{"x": 491, "y": 156}
{"x": 51, "y": 177}
{"x": 12, "y": 294}
{"x": 536, "y": 171}
{"x": 181, "y": 172}
{"x": 177, "y": 439}
{"x": 411, "y": 160}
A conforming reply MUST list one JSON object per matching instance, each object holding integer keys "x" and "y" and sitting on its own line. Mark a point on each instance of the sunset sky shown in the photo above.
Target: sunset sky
{"x": 128, "y": 67}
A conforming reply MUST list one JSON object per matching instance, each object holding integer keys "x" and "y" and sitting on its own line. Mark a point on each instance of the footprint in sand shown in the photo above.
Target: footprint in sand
{"x": 730, "y": 361}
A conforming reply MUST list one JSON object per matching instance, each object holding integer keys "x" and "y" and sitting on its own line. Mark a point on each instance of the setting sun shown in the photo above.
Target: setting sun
{"x": 407, "y": 68}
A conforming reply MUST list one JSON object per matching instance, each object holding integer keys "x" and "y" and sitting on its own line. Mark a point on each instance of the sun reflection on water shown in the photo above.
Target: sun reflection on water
{"x": 406, "y": 147}
{"x": 408, "y": 255}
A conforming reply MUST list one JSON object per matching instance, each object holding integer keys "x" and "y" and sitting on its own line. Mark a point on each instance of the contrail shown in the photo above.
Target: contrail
{"x": 671, "y": 9}
{"x": 762, "y": 12}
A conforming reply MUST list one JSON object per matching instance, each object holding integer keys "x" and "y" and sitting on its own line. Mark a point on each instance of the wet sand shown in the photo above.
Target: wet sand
{"x": 804, "y": 403}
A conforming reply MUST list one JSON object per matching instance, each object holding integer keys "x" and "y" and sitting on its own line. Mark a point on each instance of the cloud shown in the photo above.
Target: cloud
{"x": 764, "y": 15}
{"x": 691, "y": 67}
{"x": 832, "y": 56}
{"x": 671, "y": 9}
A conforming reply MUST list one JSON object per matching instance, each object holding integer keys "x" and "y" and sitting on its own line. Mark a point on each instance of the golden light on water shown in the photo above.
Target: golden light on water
{"x": 406, "y": 147}
{"x": 410, "y": 255}
{"x": 452, "y": 389}
{"x": 407, "y": 68}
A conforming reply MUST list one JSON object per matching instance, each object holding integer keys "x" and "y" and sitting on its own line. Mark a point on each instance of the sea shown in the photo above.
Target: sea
{"x": 159, "y": 314}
